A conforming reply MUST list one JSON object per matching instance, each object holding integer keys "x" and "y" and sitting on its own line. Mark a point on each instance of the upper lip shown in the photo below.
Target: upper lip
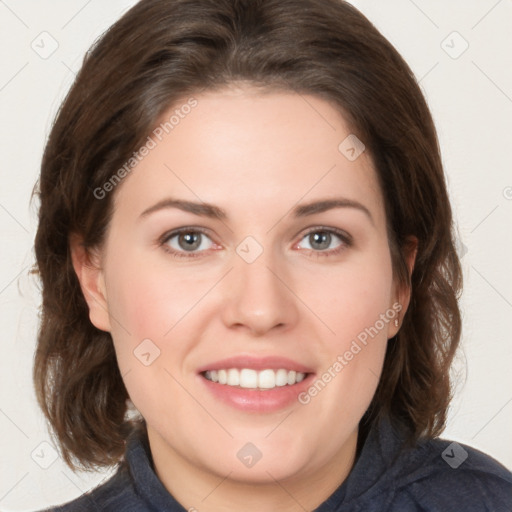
{"x": 256, "y": 363}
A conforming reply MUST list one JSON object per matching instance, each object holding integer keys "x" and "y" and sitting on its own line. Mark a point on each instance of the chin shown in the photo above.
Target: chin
{"x": 264, "y": 473}
{"x": 260, "y": 461}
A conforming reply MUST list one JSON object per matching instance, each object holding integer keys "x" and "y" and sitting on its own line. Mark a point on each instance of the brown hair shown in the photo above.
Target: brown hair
{"x": 163, "y": 50}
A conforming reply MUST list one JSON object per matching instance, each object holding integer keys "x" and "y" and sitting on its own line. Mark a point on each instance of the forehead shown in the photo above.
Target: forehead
{"x": 248, "y": 150}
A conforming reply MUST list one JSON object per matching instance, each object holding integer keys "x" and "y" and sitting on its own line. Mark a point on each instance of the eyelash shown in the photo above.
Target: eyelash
{"x": 345, "y": 238}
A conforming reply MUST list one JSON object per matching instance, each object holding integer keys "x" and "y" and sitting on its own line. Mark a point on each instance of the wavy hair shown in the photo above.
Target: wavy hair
{"x": 161, "y": 51}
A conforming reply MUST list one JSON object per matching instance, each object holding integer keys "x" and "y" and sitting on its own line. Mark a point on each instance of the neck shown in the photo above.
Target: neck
{"x": 199, "y": 490}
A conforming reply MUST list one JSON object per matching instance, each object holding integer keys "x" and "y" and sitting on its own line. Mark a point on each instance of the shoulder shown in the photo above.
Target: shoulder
{"x": 443, "y": 475}
{"x": 114, "y": 495}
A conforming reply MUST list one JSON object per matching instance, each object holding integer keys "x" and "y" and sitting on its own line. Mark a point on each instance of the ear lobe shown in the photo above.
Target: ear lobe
{"x": 403, "y": 292}
{"x": 88, "y": 269}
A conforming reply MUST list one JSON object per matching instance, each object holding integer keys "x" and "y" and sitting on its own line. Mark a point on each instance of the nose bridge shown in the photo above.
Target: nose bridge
{"x": 257, "y": 297}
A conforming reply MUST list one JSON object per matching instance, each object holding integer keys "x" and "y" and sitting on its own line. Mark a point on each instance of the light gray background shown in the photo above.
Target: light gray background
{"x": 471, "y": 99}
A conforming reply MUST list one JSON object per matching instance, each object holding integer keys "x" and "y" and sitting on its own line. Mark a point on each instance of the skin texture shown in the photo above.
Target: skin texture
{"x": 256, "y": 155}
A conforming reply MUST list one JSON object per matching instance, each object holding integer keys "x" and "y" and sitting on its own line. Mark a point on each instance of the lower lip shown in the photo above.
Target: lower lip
{"x": 256, "y": 400}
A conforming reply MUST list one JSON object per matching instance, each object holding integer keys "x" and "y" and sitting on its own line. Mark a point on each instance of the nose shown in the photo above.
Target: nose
{"x": 259, "y": 297}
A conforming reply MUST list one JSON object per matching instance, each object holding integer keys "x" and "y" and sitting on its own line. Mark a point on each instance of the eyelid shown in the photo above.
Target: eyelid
{"x": 185, "y": 229}
{"x": 346, "y": 237}
{"x": 168, "y": 235}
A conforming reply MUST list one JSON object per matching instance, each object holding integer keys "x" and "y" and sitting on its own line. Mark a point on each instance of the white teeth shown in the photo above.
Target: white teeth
{"x": 212, "y": 375}
{"x": 267, "y": 379}
{"x": 248, "y": 378}
{"x": 252, "y": 379}
{"x": 281, "y": 378}
{"x": 233, "y": 377}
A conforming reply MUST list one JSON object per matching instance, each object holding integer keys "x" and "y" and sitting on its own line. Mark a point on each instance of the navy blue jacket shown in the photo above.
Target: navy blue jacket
{"x": 434, "y": 476}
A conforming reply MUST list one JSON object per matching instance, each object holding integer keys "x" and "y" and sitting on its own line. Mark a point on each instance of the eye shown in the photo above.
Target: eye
{"x": 321, "y": 239}
{"x": 186, "y": 242}
{"x": 192, "y": 242}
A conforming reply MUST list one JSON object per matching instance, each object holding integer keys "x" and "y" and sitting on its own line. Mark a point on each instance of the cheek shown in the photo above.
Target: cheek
{"x": 149, "y": 301}
{"x": 149, "y": 310}
{"x": 352, "y": 297}
{"x": 355, "y": 302}
{"x": 359, "y": 312}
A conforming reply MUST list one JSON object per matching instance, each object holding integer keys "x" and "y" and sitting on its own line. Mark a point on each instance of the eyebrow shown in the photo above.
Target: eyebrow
{"x": 215, "y": 212}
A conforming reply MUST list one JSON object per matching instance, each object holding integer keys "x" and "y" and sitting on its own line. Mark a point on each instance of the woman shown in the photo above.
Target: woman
{"x": 249, "y": 277}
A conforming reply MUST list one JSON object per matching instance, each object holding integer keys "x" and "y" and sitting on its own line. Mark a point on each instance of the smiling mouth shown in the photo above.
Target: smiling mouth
{"x": 248, "y": 378}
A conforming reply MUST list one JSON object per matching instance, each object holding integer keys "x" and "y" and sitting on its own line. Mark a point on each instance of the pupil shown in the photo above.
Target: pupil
{"x": 321, "y": 238}
{"x": 192, "y": 241}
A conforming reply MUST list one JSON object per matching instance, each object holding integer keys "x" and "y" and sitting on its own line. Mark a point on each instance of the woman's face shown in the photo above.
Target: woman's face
{"x": 282, "y": 272}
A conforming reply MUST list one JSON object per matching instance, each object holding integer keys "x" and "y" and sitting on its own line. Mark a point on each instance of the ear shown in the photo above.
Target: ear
{"x": 402, "y": 295}
{"x": 87, "y": 265}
